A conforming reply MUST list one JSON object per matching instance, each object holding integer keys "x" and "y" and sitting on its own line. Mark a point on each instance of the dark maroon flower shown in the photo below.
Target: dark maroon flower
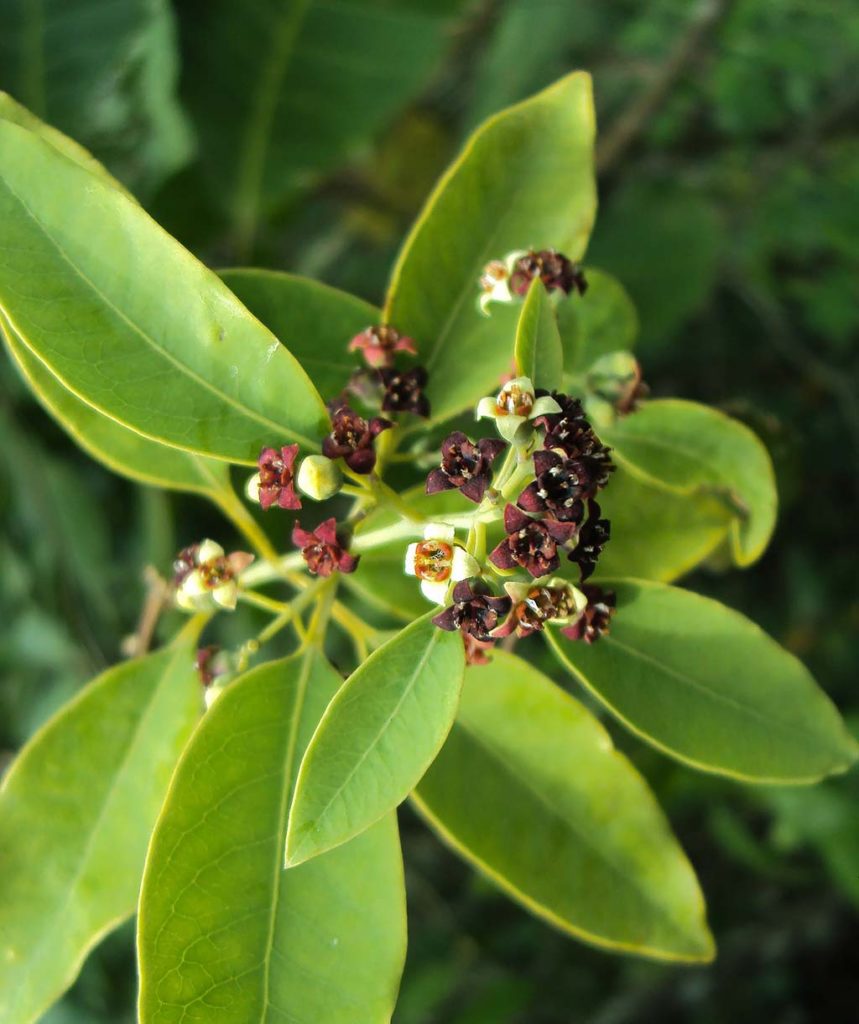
{"x": 379, "y": 345}
{"x": 570, "y": 432}
{"x": 595, "y": 619}
{"x": 534, "y": 606}
{"x": 404, "y": 391}
{"x": 593, "y": 537}
{"x": 322, "y": 550}
{"x": 474, "y": 610}
{"x": 554, "y": 269}
{"x": 465, "y": 465}
{"x": 531, "y": 543}
{"x": 276, "y": 477}
{"x": 560, "y": 486}
{"x": 352, "y": 437}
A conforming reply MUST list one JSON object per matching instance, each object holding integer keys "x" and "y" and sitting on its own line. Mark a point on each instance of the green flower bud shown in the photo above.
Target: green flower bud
{"x": 319, "y": 477}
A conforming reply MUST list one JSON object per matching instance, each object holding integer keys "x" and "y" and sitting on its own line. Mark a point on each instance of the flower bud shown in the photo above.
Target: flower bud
{"x": 318, "y": 477}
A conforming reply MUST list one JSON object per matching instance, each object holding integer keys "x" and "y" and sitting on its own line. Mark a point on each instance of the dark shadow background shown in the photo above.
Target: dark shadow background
{"x": 729, "y": 176}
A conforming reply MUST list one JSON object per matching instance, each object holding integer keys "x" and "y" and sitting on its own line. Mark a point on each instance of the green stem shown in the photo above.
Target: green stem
{"x": 267, "y": 604}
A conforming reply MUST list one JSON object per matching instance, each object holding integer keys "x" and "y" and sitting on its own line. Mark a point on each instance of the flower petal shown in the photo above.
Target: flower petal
{"x": 435, "y": 592}
{"x": 463, "y": 565}
{"x": 411, "y": 558}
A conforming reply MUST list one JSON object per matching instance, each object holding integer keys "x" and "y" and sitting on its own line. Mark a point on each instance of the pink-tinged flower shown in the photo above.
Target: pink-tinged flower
{"x": 475, "y": 611}
{"x": 531, "y": 543}
{"x": 352, "y": 438}
{"x": 592, "y": 538}
{"x": 465, "y": 465}
{"x": 205, "y": 578}
{"x": 554, "y": 269}
{"x": 534, "y": 605}
{"x": 379, "y": 344}
{"x": 275, "y": 481}
{"x": 562, "y": 485}
{"x": 595, "y": 619}
{"x": 404, "y": 391}
{"x": 322, "y": 549}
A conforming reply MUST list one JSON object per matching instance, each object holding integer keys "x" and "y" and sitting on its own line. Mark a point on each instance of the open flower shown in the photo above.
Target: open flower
{"x": 465, "y": 465}
{"x": 531, "y": 543}
{"x": 437, "y": 562}
{"x": 475, "y": 611}
{"x": 275, "y": 481}
{"x": 556, "y": 271}
{"x": 379, "y": 344}
{"x": 595, "y": 619}
{"x": 205, "y": 577}
{"x": 536, "y": 604}
{"x": 404, "y": 391}
{"x": 322, "y": 549}
{"x": 514, "y": 409}
{"x": 352, "y": 438}
{"x": 561, "y": 486}
{"x": 592, "y": 538}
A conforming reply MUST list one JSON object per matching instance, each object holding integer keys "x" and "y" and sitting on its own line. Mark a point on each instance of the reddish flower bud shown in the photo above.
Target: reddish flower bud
{"x": 555, "y": 271}
{"x": 404, "y": 391}
{"x": 352, "y": 437}
{"x": 465, "y": 465}
{"x": 531, "y": 543}
{"x": 322, "y": 549}
{"x": 595, "y": 619}
{"x": 276, "y": 478}
{"x": 378, "y": 345}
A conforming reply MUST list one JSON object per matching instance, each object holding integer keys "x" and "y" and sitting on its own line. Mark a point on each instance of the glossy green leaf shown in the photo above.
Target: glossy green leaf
{"x": 529, "y": 789}
{"x": 376, "y": 739}
{"x": 704, "y": 684}
{"x": 131, "y": 323}
{"x": 602, "y": 320}
{"x": 12, "y": 111}
{"x": 694, "y": 448}
{"x": 524, "y": 178}
{"x": 283, "y": 92}
{"x": 105, "y": 73}
{"x": 318, "y": 320}
{"x": 227, "y": 932}
{"x": 76, "y": 811}
{"x": 656, "y": 532}
{"x": 119, "y": 448}
{"x": 538, "y": 351}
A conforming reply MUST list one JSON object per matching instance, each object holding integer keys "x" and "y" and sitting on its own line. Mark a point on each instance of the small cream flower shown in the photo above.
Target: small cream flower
{"x": 437, "y": 562}
{"x": 206, "y": 577}
{"x": 514, "y": 406}
{"x": 495, "y": 281}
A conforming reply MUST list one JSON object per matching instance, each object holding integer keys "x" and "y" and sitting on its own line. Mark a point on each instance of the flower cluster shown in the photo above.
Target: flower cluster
{"x": 509, "y": 278}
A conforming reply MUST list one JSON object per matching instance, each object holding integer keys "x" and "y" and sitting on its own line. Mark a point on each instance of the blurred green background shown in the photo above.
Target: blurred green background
{"x": 305, "y": 136}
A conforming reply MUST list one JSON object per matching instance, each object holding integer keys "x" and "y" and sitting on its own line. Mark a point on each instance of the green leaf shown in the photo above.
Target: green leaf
{"x": 104, "y": 73}
{"x": 12, "y": 111}
{"x": 120, "y": 449}
{"x": 281, "y": 92}
{"x": 704, "y": 684}
{"x": 224, "y": 930}
{"x": 319, "y": 321}
{"x": 131, "y": 323}
{"x": 602, "y": 320}
{"x": 693, "y": 448}
{"x": 529, "y": 789}
{"x": 656, "y": 532}
{"x": 76, "y": 811}
{"x": 538, "y": 351}
{"x": 376, "y": 739}
{"x": 524, "y": 178}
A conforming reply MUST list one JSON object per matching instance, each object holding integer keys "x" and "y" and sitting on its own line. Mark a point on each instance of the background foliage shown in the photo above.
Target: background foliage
{"x": 729, "y": 168}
